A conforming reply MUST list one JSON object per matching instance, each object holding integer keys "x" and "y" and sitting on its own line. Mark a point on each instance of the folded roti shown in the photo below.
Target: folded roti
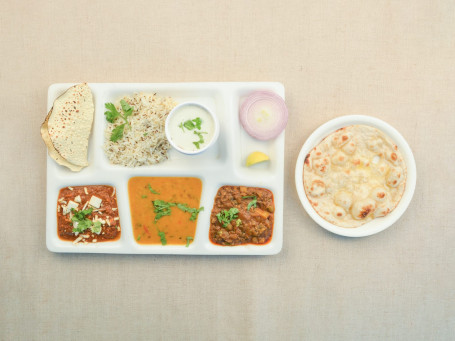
{"x": 67, "y": 127}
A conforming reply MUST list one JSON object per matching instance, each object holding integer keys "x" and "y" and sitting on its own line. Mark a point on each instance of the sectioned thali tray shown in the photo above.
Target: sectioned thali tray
{"x": 222, "y": 164}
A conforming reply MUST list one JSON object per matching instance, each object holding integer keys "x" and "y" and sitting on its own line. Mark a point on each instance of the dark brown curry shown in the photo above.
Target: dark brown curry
{"x": 242, "y": 215}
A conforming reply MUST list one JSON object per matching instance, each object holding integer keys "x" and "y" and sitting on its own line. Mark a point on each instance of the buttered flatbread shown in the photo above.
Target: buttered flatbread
{"x": 67, "y": 127}
{"x": 354, "y": 175}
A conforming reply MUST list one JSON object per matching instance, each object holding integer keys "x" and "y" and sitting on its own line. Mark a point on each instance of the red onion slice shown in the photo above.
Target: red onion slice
{"x": 264, "y": 115}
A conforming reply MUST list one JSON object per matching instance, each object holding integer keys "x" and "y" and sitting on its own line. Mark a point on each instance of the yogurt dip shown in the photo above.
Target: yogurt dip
{"x": 190, "y": 128}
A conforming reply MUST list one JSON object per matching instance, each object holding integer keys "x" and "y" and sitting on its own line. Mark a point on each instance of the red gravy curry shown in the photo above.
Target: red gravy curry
{"x": 242, "y": 215}
{"x": 88, "y": 214}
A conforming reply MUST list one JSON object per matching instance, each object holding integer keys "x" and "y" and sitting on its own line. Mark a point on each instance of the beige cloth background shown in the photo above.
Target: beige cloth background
{"x": 390, "y": 59}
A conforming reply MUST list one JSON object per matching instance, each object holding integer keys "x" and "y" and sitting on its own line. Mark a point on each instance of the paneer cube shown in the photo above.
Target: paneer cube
{"x": 72, "y": 204}
{"x": 95, "y": 201}
{"x": 65, "y": 210}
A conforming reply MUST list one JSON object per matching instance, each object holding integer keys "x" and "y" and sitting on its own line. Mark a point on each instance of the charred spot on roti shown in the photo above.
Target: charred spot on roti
{"x": 349, "y": 148}
{"x": 383, "y": 209}
{"x": 341, "y": 139}
{"x": 394, "y": 177}
{"x": 379, "y": 194}
{"x": 307, "y": 159}
{"x": 317, "y": 188}
{"x": 366, "y": 211}
{"x": 375, "y": 145}
{"x": 362, "y": 208}
{"x": 321, "y": 166}
{"x": 363, "y": 174}
{"x": 382, "y": 168}
{"x": 339, "y": 158}
{"x": 392, "y": 157}
{"x": 339, "y": 212}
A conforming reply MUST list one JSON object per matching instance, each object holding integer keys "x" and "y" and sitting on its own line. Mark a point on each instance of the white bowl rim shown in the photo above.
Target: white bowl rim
{"x": 375, "y": 225}
{"x": 216, "y": 133}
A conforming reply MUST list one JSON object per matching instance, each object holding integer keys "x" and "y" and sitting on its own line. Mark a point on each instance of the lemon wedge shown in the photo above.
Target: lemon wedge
{"x": 256, "y": 157}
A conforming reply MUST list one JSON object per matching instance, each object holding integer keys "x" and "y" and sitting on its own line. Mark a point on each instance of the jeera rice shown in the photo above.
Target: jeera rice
{"x": 144, "y": 141}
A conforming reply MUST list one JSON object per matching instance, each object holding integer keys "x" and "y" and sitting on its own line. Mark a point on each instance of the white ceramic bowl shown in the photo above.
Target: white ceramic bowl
{"x": 375, "y": 225}
{"x": 216, "y": 132}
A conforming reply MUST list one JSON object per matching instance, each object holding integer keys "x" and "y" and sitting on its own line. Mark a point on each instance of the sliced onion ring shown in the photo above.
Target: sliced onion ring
{"x": 264, "y": 115}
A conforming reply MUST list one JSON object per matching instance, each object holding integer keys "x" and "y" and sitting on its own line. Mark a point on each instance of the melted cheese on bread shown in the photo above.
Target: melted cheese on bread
{"x": 354, "y": 175}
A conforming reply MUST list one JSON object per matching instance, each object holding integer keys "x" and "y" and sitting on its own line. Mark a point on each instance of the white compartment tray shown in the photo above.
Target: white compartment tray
{"x": 222, "y": 164}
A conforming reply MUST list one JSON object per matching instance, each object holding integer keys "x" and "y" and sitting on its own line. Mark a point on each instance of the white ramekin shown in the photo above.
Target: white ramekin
{"x": 375, "y": 225}
{"x": 216, "y": 133}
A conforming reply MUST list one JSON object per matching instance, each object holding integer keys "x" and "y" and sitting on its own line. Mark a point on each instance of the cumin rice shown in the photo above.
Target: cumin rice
{"x": 145, "y": 142}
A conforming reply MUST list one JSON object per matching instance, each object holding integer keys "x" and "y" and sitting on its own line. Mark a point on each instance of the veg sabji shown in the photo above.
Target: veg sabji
{"x": 242, "y": 215}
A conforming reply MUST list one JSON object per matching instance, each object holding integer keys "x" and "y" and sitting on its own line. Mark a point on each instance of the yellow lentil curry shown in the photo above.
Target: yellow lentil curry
{"x": 164, "y": 210}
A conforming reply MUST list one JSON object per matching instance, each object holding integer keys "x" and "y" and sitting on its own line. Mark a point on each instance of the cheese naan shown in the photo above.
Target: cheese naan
{"x": 354, "y": 175}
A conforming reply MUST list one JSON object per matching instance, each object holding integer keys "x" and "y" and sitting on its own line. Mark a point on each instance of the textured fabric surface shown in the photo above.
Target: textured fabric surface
{"x": 390, "y": 59}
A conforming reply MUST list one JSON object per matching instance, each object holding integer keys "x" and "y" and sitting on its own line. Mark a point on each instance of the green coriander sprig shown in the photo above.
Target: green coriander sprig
{"x": 163, "y": 208}
{"x": 112, "y": 114}
{"x": 226, "y": 216}
{"x": 253, "y": 202}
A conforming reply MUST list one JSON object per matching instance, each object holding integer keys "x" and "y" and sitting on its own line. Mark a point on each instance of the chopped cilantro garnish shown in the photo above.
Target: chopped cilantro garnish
{"x": 163, "y": 208}
{"x": 194, "y": 211}
{"x": 117, "y": 133}
{"x": 143, "y": 196}
{"x": 151, "y": 189}
{"x": 226, "y": 216}
{"x": 112, "y": 114}
{"x": 188, "y": 239}
{"x": 253, "y": 202}
{"x": 83, "y": 223}
{"x": 191, "y": 124}
{"x": 138, "y": 238}
{"x": 162, "y": 237}
{"x": 238, "y": 222}
{"x": 80, "y": 215}
{"x": 96, "y": 227}
{"x": 201, "y": 138}
{"x": 198, "y": 122}
{"x": 127, "y": 109}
